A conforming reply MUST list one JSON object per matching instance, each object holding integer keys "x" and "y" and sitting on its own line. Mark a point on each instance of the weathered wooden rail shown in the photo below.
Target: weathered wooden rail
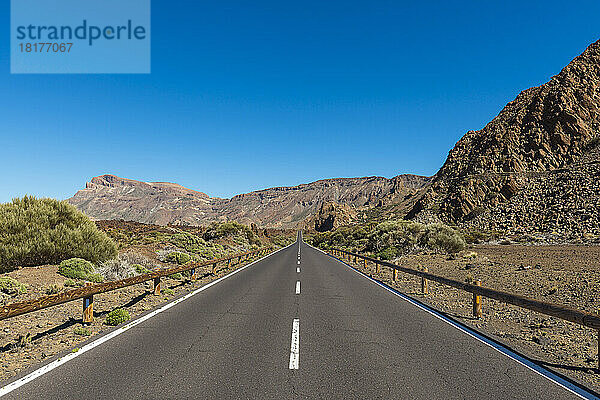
{"x": 584, "y": 318}
{"x": 89, "y": 290}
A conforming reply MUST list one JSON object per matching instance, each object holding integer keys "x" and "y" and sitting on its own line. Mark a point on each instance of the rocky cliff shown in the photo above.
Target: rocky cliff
{"x": 534, "y": 166}
{"x": 111, "y": 197}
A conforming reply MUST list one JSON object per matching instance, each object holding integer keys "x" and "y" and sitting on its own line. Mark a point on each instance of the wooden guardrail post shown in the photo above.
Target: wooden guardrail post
{"x": 377, "y": 267}
{"x": 157, "y": 285}
{"x": 424, "y": 284}
{"x": 88, "y": 308}
{"x": 365, "y": 264}
{"x": 477, "y": 312}
{"x": 395, "y": 274}
{"x": 228, "y": 262}
{"x": 214, "y": 269}
{"x": 193, "y": 274}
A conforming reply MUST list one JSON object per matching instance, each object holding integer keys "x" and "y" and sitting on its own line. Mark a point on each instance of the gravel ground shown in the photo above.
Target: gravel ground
{"x": 29, "y": 339}
{"x": 565, "y": 274}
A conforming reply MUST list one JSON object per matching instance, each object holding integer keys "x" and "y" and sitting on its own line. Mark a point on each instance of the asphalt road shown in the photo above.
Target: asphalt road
{"x": 235, "y": 340}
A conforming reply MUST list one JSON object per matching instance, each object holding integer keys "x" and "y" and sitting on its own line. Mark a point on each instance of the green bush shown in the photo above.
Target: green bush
{"x": 189, "y": 242}
{"x": 11, "y": 286}
{"x": 72, "y": 283}
{"x": 82, "y": 331}
{"x": 52, "y": 289}
{"x": 178, "y": 258}
{"x": 47, "y": 231}
{"x": 115, "y": 317}
{"x": 441, "y": 237}
{"x": 78, "y": 268}
{"x": 140, "y": 269}
{"x": 231, "y": 229}
{"x": 391, "y": 239}
{"x": 389, "y": 253}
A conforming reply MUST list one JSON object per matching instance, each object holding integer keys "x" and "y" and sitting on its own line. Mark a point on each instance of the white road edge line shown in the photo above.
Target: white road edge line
{"x": 58, "y": 362}
{"x": 576, "y": 390}
{"x": 295, "y": 346}
{"x": 297, "y": 287}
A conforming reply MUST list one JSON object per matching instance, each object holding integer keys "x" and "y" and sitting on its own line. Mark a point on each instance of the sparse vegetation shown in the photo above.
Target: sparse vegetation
{"x": 52, "y": 289}
{"x": 440, "y": 237}
{"x": 189, "y": 242}
{"x": 391, "y": 239}
{"x": 11, "y": 286}
{"x": 117, "y": 268}
{"x": 470, "y": 255}
{"x": 77, "y": 268}
{"x": 168, "y": 291}
{"x": 116, "y": 317}
{"x": 282, "y": 240}
{"x": 140, "y": 269}
{"x": 474, "y": 236}
{"x": 177, "y": 257}
{"x": 72, "y": 283}
{"x": 46, "y": 231}
{"x": 82, "y": 331}
{"x": 24, "y": 340}
{"x": 233, "y": 229}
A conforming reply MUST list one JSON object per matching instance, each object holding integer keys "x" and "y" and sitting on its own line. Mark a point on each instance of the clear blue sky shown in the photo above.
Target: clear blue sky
{"x": 249, "y": 95}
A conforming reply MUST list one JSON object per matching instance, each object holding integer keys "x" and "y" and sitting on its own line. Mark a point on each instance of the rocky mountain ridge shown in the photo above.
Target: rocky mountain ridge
{"x": 533, "y": 167}
{"x": 111, "y": 197}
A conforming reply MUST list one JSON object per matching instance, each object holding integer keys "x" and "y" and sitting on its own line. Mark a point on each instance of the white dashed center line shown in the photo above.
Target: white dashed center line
{"x": 298, "y": 287}
{"x": 295, "y": 348}
{"x": 298, "y": 270}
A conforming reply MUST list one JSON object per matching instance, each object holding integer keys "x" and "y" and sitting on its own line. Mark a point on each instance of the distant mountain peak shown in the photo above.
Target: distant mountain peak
{"x": 109, "y": 180}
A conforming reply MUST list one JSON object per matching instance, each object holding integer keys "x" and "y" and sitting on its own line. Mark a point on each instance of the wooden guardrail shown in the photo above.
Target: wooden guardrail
{"x": 87, "y": 292}
{"x": 563, "y": 312}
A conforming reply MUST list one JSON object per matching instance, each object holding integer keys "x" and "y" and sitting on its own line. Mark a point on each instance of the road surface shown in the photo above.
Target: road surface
{"x": 283, "y": 330}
